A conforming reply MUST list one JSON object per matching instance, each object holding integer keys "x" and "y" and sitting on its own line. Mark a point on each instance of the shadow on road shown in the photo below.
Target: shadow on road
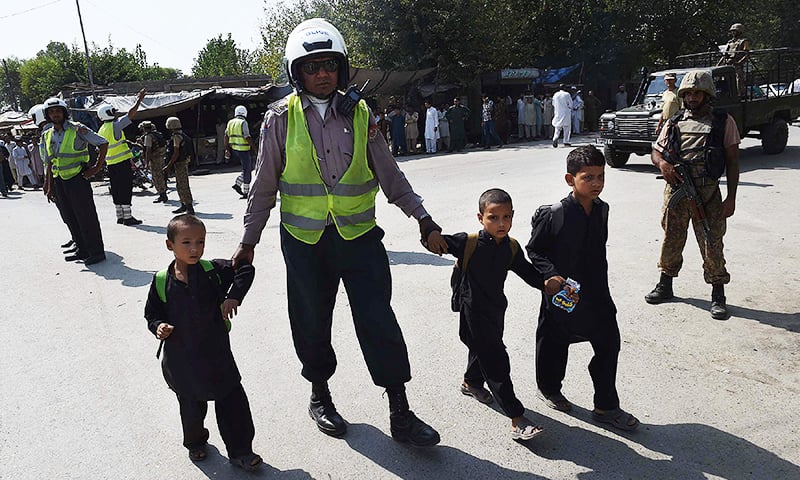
{"x": 214, "y": 216}
{"x": 412, "y": 463}
{"x": 114, "y": 268}
{"x": 418, "y": 258}
{"x": 152, "y": 228}
{"x": 786, "y": 321}
{"x": 689, "y": 451}
{"x": 754, "y": 159}
{"x": 217, "y": 467}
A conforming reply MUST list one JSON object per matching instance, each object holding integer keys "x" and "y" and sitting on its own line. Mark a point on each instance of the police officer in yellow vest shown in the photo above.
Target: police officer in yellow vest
{"x": 327, "y": 163}
{"x": 66, "y": 148}
{"x": 119, "y": 158}
{"x": 239, "y": 146}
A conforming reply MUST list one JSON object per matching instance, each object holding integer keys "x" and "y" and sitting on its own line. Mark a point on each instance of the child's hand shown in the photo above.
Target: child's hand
{"x": 553, "y": 284}
{"x": 436, "y": 244}
{"x": 164, "y": 330}
{"x": 229, "y": 307}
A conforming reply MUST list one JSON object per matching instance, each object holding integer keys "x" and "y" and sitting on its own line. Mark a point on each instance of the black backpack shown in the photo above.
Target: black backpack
{"x": 186, "y": 148}
{"x": 159, "y": 140}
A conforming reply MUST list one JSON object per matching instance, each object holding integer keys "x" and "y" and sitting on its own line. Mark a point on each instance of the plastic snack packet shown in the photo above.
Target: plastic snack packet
{"x": 568, "y": 297}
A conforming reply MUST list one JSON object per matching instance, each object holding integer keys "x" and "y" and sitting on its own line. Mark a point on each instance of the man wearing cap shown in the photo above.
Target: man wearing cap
{"x": 154, "y": 150}
{"x": 671, "y": 102}
{"x": 323, "y": 152}
{"x": 736, "y": 53}
{"x": 707, "y": 143}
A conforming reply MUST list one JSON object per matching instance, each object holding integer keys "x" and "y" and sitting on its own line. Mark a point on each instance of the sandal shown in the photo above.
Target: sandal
{"x": 525, "y": 430}
{"x": 556, "y": 401}
{"x": 478, "y": 393}
{"x": 248, "y": 463}
{"x": 198, "y": 454}
{"x": 617, "y": 418}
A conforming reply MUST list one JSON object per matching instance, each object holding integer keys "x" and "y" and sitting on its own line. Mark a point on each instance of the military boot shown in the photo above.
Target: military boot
{"x": 719, "y": 310}
{"x": 662, "y": 292}
{"x": 405, "y": 426}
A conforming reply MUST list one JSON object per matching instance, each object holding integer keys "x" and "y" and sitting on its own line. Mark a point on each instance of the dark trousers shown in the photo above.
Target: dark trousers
{"x": 487, "y": 360}
{"x": 313, "y": 273}
{"x": 552, "y": 347}
{"x": 247, "y": 164}
{"x": 490, "y": 133}
{"x": 3, "y": 187}
{"x": 233, "y": 419}
{"x": 121, "y": 177}
{"x": 76, "y": 203}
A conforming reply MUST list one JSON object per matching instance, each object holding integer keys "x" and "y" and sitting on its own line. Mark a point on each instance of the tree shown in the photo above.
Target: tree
{"x": 221, "y": 57}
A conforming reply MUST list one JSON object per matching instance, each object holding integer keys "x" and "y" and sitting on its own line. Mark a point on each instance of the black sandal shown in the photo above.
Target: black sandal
{"x": 198, "y": 454}
{"x": 248, "y": 463}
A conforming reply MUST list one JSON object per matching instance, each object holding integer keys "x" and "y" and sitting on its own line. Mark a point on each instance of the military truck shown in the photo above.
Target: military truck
{"x": 758, "y": 114}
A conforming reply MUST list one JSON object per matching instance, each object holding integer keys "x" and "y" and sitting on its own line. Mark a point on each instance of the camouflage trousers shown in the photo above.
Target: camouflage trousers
{"x": 182, "y": 181}
{"x": 157, "y": 170}
{"x": 675, "y": 222}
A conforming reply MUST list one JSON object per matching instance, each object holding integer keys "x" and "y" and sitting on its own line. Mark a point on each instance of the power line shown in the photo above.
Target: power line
{"x": 28, "y": 10}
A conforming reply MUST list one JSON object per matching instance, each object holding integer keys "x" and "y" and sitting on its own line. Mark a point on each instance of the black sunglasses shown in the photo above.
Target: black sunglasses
{"x": 313, "y": 67}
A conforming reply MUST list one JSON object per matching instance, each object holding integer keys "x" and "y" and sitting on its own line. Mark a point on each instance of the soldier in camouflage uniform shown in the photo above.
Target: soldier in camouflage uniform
{"x": 708, "y": 144}
{"x": 154, "y": 158}
{"x": 736, "y": 54}
{"x": 178, "y": 153}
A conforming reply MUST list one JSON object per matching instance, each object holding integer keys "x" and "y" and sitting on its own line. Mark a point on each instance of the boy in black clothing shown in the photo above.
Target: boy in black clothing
{"x": 569, "y": 241}
{"x": 482, "y": 305}
{"x": 188, "y": 308}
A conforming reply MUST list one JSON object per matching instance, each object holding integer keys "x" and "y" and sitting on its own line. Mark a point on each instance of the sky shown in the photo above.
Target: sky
{"x": 171, "y": 32}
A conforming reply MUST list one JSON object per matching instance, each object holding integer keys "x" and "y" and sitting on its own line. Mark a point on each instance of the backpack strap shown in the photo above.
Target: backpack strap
{"x": 161, "y": 285}
{"x": 514, "y": 244}
{"x": 469, "y": 249}
{"x": 556, "y": 218}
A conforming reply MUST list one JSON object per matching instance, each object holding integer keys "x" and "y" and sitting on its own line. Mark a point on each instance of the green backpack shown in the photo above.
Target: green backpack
{"x": 213, "y": 276}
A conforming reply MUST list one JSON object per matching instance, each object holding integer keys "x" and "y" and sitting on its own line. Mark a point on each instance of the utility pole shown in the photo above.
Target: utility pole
{"x": 11, "y": 95}
{"x": 85, "y": 49}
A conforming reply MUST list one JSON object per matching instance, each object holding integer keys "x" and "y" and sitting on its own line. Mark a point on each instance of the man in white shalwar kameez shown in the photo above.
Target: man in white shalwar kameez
{"x": 431, "y": 127}
{"x": 562, "y": 115}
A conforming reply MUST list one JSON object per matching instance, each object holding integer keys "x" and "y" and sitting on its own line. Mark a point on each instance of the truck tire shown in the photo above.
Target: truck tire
{"x": 614, "y": 158}
{"x": 774, "y": 136}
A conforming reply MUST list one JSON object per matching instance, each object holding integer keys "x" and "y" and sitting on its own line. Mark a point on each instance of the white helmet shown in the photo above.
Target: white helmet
{"x": 240, "y": 111}
{"x": 315, "y": 37}
{"x": 37, "y": 113}
{"x": 55, "y": 102}
{"x": 106, "y": 113}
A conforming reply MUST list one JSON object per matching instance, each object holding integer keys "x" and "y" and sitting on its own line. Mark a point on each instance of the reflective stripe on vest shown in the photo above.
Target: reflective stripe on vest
{"x": 68, "y": 162}
{"x": 306, "y": 202}
{"x": 118, "y": 150}
{"x": 235, "y": 133}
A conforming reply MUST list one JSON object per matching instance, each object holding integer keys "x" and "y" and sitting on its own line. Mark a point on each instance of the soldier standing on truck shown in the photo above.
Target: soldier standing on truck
{"x": 707, "y": 142}
{"x": 671, "y": 102}
{"x": 736, "y": 54}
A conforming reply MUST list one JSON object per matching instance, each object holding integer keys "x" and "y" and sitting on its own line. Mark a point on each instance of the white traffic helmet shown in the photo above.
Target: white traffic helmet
{"x": 312, "y": 38}
{"x": 54, "y": 102}
{"x": 106, "y": 113}
{"x": 37, "y": 114}
{"x": 173, "y": 123}
{"x": 240, "y": 111}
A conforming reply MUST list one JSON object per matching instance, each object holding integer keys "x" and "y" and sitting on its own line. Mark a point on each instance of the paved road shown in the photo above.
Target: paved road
{"x": 82, "y": 394}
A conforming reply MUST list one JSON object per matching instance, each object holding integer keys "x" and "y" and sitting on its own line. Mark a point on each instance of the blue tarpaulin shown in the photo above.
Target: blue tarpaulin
{"x": 554, "y": 75}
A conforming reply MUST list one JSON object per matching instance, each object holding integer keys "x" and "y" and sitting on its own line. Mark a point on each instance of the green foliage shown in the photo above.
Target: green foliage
{"x": 613, "y": 38}
{"x": 221, "y": 57}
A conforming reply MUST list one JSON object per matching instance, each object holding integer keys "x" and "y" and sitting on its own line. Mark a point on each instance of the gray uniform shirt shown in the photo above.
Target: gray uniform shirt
{"x": 120, "y": 124}
{"x": 85, "y": 136}
{"x": 333, "y": 141}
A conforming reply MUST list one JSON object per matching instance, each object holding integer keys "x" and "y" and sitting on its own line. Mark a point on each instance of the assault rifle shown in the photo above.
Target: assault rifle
{"x": 688, "y": 190}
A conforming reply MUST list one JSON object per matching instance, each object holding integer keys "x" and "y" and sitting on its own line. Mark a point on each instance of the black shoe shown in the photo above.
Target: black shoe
{"x": 662, "y": 291}
{"x": 407, "y": 428}
{"x": 68, "y": 244}
{"x": 180, "y": 209}
{"x": 162, "y": 197}
{"x": 131, "y": 221}
{"x": 238, "y": 189}
{"x": 119, "y": 221}
{"x": 555, "y": 143}
{"x": 328, "y": 420}
{"x": 71, "y": 250}
{"x": 719, "y": 310}
{"x": 75, "y": 257}
{"x": 94, "y": 259}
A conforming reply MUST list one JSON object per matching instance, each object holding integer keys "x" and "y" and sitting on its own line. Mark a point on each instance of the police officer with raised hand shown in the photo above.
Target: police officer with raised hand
{"x": 119, "y": 158}
{"x": 322, "y": 151}
{"x": 66, "y": 149}
{"x": 706, "y": 142}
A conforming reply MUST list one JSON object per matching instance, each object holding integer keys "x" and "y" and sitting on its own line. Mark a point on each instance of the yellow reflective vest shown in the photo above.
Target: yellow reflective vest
{"x": 68, "y": 162}
{"x": 118, "y": 150}
{"x": 235, "y": 133}
{"x": 306, "y": 202}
